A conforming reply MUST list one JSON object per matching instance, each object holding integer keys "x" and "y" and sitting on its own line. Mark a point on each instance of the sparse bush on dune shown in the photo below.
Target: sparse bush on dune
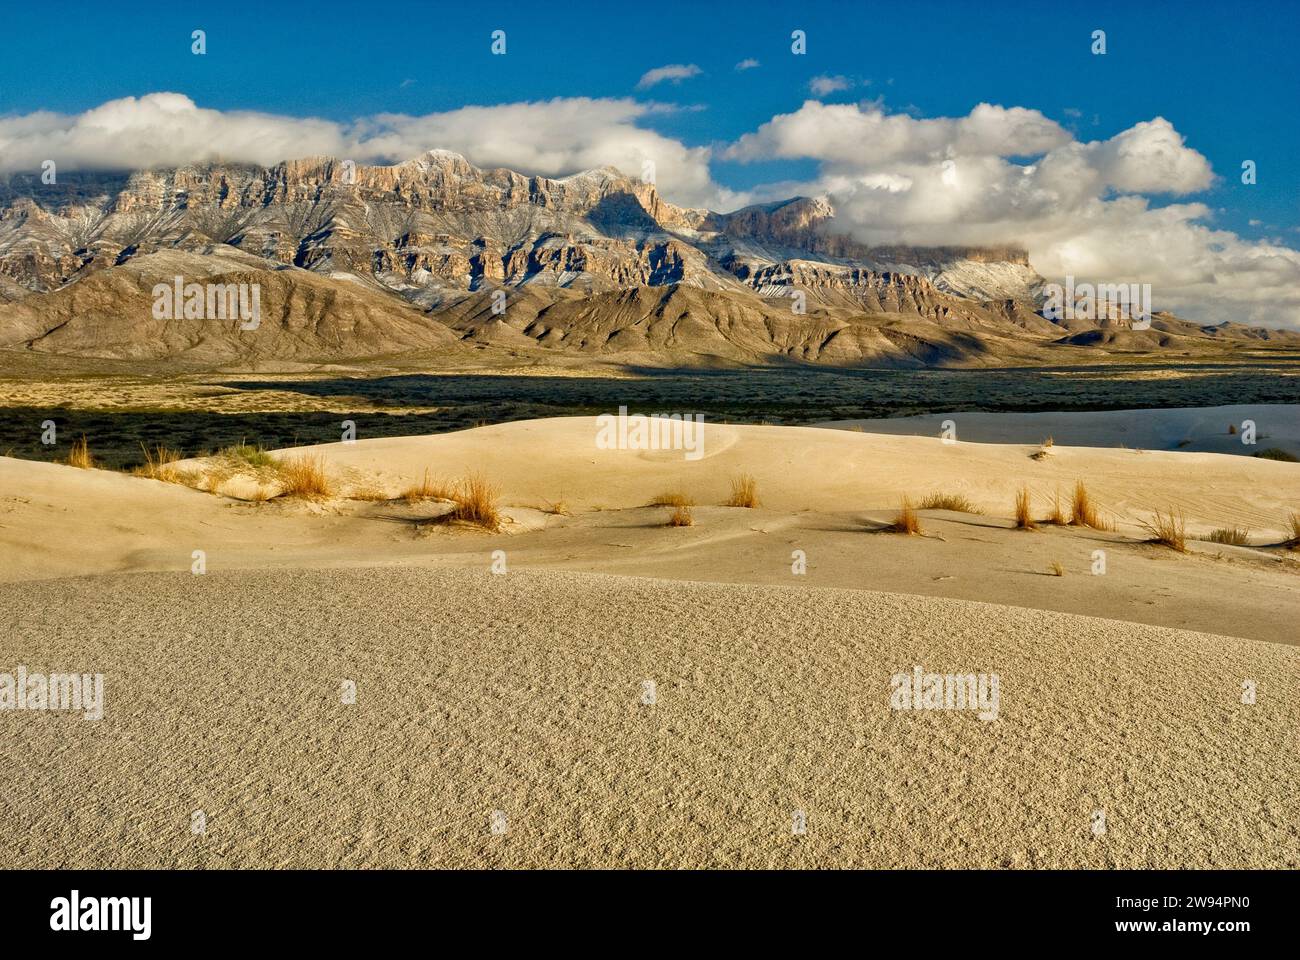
{"x": 673, "y": 498}
{"x": 744, "y": 492}
{"x": 1294, "y": 520}
{"x": 948, "y": 501}
{"x": 253, "y": 456}
{"x": 1168, "y": 529}
{"x": 158, "y": 464}
{"x": 1023, "y": 519}
{"x": 681, "y": 517}
{"x": 79, "y": 455}
{"x": 1057, "y": 569}
{"x": 1083, "y": 512}
{"x": 427, "y": 488}
{"x": 1057, "y": 517}
{"x": 1044, "y": 450}
{"x": 369, "y": 494}
{"x": 1230, "y": 535}
{"x": 304, "y": 476}
{"x": 906, "y": 520}
{"x": 475, "y": 502}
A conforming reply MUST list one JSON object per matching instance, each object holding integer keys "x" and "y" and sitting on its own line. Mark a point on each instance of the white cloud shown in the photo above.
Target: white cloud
{"x": 673, "y": 72}
{"x": 825, "y": 84}
{"x": 549, "y": 138}
{"x": 1081, "y": 208}
{"x": 749, "y": 63}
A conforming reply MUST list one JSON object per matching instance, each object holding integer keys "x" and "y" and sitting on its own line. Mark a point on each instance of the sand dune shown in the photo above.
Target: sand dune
{"x": 523, "y": 693}
{"x": 822, "y": 492}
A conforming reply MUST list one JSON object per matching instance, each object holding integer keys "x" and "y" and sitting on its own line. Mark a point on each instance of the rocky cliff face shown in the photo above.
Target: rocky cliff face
{"x": 436, "y": 223}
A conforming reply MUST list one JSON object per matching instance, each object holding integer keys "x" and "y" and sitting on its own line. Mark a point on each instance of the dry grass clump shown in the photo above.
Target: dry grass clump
{"x": 674, "y": 498}
{"x": 558, "y": 508}
{"x": 427, "y": 488}
{"x": 1232, "y": 536}
{"x": 368, "y": 493}
{"x": 158, "y": 464}
{"x": 1044, "y": 450}
{"x": 681, "y": 517}
{"x": 744, "y": 492}
{"x": 1057, "y": 569}
{"x": 253, "y": 456}
{"x": 475, "y": 502}
{"x": 906, "y": 520}
{"x": 1083, "y": 512}
{"x": 1023, "y": 519}
{"x": 1057, "y": 517}
{"x": 79, "y": 455}
{"x": 260, "y": 495}
{"x": 304, "y": 476}
{"x": 1169, "y": 530}
{"x": 1294, "y": 520}
{"x": 948, "y": 501}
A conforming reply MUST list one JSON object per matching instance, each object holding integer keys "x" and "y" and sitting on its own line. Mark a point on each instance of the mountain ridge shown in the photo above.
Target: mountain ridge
{"x": 434, "y": 253}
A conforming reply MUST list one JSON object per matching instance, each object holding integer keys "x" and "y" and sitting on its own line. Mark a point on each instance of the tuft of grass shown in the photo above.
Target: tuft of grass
{"x": 1044, "y": 450}
{"x": 427, "y": 488}
{"x": 1023, "y": 519}
{"x": 558, "y": 508}
{"x": 906, "y": 520}
{"x": 674, "y": 498}
{"x": 254, "y": 456}
{"x": 1277, "y": 453}
{"x": 304, "y": 476}
{"x": 158, "y": 464}
{"x": 744, "y": 492}
{"x": 1057, "y": 569}
{"x": 1057, "y": 517}
{"x": 1169, "y": 530}
{"x": 1083, "y": 512}
{"x": 369, "y": 494}
{"x": 1294, "y": 520}
{"x": 681, "y": 516}
{"x": 1230, "y": 535}
{"x": 948, "y": 501}
{"x": 260, "y": 495}
{"x": 476, "y": 502}
{"x": 79, "y": 455}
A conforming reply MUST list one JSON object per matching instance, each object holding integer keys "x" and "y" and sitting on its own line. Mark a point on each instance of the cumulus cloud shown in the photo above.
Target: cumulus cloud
{"x": 549, "y": 138}
{"x": 826, "y": 84}
{"x": 1011, "y": 176}
{"x": 749, "y": 63}
{"x": 673, "y": 73}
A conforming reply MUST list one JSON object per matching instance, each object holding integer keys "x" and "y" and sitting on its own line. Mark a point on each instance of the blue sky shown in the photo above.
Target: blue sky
{"x": 1226, "y": 75}
{"x": 1159, "y": 200}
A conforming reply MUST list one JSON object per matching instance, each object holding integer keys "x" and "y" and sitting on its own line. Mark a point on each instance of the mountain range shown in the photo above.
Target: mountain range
{"x": 435, "y": 257}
